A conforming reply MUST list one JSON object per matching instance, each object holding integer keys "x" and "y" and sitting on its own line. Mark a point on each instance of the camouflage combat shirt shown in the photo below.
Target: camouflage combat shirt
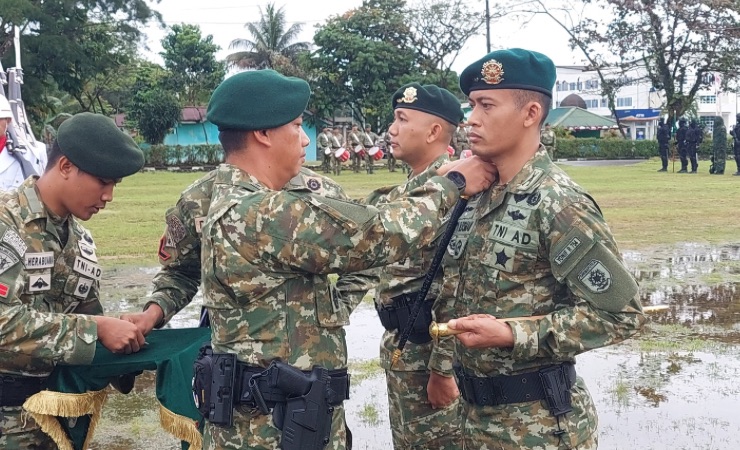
{"x": 539, "y": 246}
{"x": 177, "y": 282}
{"x": 42, "y": 283}
{"x": 267, "y": 254}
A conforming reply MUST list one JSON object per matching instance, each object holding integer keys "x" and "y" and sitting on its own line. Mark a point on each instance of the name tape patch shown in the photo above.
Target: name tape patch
{"x": 42, "y": 260}
{"x": 567, "y": 251}
{"x": 87, "y": 268}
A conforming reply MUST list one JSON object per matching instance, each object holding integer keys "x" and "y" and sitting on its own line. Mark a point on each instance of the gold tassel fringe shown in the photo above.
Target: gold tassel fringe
{"x": 183, "y": 428}
{"x": 46, "y": 406}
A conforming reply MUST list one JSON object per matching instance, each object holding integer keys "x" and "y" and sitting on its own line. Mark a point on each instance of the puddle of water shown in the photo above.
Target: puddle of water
{"x": 673, "y": 387}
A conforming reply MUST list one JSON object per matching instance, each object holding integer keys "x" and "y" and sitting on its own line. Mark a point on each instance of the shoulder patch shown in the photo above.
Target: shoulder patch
{"x": 162, "y": 253}
{"x": 7, "y": 259}
{"x": 313, "y": 184}
{"x": 596, "y": 277}
{"x": 12, "y": 238}
{"x": 175, "y": 228}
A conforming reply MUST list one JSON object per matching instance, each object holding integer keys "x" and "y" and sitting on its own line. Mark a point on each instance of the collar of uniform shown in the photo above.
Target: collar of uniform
{"x": 232, "y": 175}
{"x": 530, "y": 177}
{"x": 441, "y": 160}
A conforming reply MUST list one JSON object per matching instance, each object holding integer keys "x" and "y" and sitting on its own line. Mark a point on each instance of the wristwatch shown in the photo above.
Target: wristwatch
{"x": 457, "y": 178}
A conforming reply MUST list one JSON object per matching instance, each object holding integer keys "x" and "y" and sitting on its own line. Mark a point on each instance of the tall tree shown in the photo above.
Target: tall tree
{"x": 69, "y": 44}
{"x": 440, "y": 30}
{"x": 361, "y": 58}
{"x": 191, "y": 61}
{"x": 272, "y": 45}
{"x": 680, "y": 45}
{"x": 155, "y": 112}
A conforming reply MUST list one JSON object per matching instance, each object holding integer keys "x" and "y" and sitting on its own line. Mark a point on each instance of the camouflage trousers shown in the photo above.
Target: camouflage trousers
{"x": 530, "y": 426}
{"x": 256, "y": 432}
{"x": 414, "y": 424}
{"x": 20, "y": 432}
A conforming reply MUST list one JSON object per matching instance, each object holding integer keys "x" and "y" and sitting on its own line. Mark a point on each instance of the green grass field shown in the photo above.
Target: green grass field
{"x": 643, "y": 208}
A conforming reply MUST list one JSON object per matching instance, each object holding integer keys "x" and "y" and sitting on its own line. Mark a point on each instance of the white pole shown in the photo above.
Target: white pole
{"x": 17, "y": 45}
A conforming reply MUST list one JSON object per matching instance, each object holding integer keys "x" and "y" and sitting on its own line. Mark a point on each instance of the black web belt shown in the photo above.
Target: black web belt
{"x": 14, "y": 390}
{"x": 338, "y": 387}
{"x": 395, "y": 316}
{"x": 505, "y": 389}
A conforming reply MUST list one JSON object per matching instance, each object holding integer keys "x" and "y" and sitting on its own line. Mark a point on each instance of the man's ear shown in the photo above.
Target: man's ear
{"x": 262, "y": 136}
{"x": 533, "y": 114}
{"x": 65, "y": 167}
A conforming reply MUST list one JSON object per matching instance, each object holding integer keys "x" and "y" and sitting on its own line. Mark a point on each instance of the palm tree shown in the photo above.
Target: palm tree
{"x": 272, "y": 46}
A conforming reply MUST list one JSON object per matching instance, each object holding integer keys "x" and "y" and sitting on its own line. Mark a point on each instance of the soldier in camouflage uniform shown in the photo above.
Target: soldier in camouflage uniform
{"x": 354, "y": 145}
{"x": 549, "y": 140}
{"x": 179, "y": 253}
{"x": 368, "y": 141}
{"x": 425, "y": 121}
{"x": 336, "y": 144}
{"x": 266, "y": 254}
{"x": 460, "y": 141}
{"x": 534, "y": 274}
{"x": 323, "y": 148}
{"x": 49, "y": 273}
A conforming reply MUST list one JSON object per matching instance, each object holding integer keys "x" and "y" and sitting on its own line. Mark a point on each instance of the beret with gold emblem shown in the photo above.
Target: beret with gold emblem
{"x": 95, "y": 145}
{"x": 430, "y": 99}
{"x": 257, "y": 100}
{"x": 513, "y": 68}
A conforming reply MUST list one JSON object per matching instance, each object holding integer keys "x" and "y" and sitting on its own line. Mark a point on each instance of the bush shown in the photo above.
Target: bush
{"x": 176, "y": 155}
{"x": 605, "y": 148}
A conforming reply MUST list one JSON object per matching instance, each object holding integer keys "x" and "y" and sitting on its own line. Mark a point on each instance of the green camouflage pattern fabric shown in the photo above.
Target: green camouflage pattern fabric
{"x": 45, "y": 288}
{"x": 266, "y": 260}
{"x": 178, "y": 280}
{"x": 539, "y": 246}
{"x": 414, "y": 423}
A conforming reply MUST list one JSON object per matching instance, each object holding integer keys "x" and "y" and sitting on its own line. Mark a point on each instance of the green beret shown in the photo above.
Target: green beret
{"x": 94, "y": 144}
{"x": 257, "y": 100}
{"x": 513, "y": 68}
{"x": 430, "y": 99}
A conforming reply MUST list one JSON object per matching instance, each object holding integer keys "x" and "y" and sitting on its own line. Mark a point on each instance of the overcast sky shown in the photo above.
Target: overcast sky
{"x": 225, "y": 19}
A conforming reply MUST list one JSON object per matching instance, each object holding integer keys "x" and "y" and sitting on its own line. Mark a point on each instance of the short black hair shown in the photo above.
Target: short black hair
{"x": 54, "y": 154}
{"x": 524, "y": 96}
{"x": 232, "y": 140}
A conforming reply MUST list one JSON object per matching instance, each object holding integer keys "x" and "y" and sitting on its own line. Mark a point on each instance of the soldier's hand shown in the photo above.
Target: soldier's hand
{"x": 482, "y": 331}
{"x": 119, "y": 336}
{"x": 479, "y": 174}
{"x": 147, "y": 320}
{"x": 441, "y": 390}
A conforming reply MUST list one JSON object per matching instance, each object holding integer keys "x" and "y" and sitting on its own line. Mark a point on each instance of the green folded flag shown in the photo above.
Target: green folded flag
{"x": 79, "y": 391}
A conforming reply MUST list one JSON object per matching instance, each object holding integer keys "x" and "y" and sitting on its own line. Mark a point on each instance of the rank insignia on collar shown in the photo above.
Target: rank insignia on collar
{"x": 409, "y": 95}
{"x": 492, "y": 72}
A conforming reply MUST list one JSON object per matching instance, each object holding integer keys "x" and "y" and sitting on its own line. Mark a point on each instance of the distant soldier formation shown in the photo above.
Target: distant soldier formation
{"x": 359, "y": 149}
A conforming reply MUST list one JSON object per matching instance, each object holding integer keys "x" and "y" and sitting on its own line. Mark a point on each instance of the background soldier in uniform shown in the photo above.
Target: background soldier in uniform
{"x": 323, "y": 146}
{"x": 267, "y": 253}
{"x": 389, "y": 151}
{"x": 548, "y": 139}
{"x": 50, "y": 309}
{"x": 735, "y": 132}
{"x": 460, "y": 139}
{"x": 681, "y": 143}
{"x": 664, "y": 139}
{"x": 336, "y": 144}
{"x": 694, "y": 137}
{"x": 354, "y": 142}
{"x": 368, "y": 141}
{"x": 540, "y": 277}
{"x": 426, "y": 118}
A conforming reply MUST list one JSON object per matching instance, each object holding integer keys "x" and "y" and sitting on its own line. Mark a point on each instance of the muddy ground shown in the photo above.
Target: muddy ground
{"x": 674, "y": 387}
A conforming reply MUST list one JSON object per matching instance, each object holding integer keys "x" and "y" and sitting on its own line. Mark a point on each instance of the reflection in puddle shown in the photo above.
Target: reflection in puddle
{"x": 673, "y": 387}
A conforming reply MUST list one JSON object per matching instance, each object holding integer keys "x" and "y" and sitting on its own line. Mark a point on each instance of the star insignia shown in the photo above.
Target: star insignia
{"x": 502, "y": 258}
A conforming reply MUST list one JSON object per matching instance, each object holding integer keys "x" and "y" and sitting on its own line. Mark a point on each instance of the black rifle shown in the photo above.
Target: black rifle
{"x": 429, "y": 278}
